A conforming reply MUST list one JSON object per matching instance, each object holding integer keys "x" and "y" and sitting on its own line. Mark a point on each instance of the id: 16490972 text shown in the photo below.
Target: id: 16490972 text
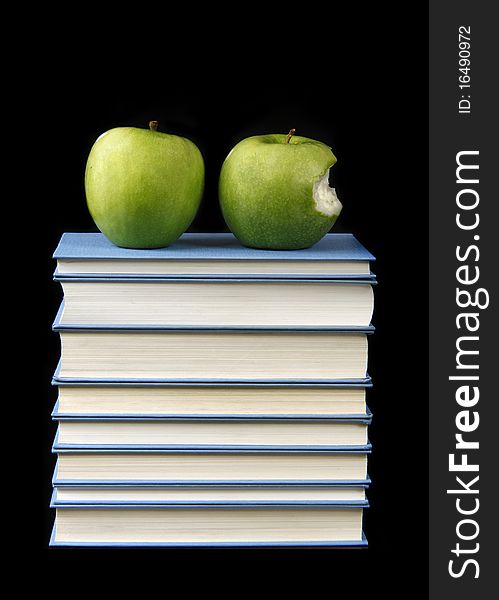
{"x": 464, "y": 73}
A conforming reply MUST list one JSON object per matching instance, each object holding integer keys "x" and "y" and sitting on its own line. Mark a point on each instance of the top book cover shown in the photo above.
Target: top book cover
{"x": 211, "y": 255}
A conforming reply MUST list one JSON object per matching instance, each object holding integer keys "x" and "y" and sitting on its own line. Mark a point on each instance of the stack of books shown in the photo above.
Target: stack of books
{"x": 212, "y": 394}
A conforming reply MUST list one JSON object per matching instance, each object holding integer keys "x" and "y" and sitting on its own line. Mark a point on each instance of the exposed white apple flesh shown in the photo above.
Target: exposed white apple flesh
{"x": 325, "y": 198}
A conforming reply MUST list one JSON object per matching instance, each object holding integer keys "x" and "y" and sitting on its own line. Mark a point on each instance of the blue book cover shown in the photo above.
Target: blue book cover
{"x": 57, "y": 415}
{"x": 263, "y": 279}
{"x": 209, "y": 247}
{"x": 151, "y": 483}
{"x": 59, "y": 448}
{"x": 206, "y": 483}
{"x": 59, "y": 381}
{"x": 55, "y": 502}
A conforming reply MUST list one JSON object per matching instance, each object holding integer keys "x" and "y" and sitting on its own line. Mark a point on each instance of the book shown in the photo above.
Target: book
{"x": 82, "y": 464}
{"x": 175, "y": 354}
{"x": 216, "y": 302}
{"x": 211, "y": 254}
{"x": 217, "y": 525}
{"x": 112, "y": 494}
{"x": 77, "y": 399}
{"x": 206, "y": 433}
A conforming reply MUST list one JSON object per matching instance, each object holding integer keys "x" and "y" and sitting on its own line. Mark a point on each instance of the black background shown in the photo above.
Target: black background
{"x": 353, "y": 81}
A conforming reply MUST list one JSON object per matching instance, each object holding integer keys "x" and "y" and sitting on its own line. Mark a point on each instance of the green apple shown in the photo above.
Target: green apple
{"x": 143, "y": 187}
{"x": 274, "y": 191}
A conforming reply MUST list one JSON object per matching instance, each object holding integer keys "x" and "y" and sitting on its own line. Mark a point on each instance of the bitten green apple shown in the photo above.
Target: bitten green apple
{"x": 143, "y": 187}
{"x": 274, "y": 191}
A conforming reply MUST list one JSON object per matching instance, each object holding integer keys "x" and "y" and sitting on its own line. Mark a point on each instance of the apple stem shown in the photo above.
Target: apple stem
{"x": 153, "y": 125}
{"x": 290, "y": 135}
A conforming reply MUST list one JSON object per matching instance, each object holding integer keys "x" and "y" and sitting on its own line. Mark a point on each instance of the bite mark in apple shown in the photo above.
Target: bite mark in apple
{"x": 325, "y": 198}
